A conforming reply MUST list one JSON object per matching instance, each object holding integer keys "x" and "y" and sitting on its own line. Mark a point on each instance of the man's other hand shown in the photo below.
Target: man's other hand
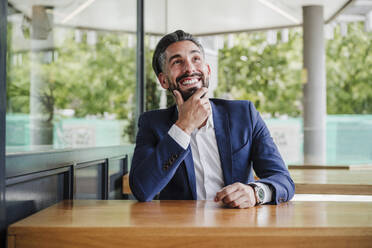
{"x": 193, "y": 112}
{"x": 237, "y": 195}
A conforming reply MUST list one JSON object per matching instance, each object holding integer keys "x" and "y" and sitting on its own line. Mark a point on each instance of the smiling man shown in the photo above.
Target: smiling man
{"x": 203, "y": 149}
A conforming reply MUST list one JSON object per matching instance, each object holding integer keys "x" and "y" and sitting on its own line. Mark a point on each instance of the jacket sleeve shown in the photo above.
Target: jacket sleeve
{"x": 155, "y": 161}
{"x": 267, "y": 161}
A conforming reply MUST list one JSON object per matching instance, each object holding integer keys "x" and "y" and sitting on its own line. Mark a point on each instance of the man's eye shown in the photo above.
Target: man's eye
{"x": 177, "y": 62}
{"x": 196, "y": 58}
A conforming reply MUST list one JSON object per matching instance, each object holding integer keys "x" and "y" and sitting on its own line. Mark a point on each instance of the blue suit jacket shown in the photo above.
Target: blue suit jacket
{"x": 161, "y": 166}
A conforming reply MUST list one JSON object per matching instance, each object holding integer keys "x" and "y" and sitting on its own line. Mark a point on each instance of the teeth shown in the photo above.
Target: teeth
{"x": 191, "y": 81}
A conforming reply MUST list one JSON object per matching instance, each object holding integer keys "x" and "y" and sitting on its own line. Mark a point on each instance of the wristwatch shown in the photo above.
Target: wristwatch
{"x": 259, "y": 193}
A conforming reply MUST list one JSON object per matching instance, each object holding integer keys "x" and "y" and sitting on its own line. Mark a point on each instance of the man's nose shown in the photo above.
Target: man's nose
{"x": 189, "y": 66}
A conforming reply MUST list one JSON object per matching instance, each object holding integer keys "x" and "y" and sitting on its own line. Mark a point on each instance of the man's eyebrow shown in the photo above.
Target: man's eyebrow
{"x": 195, "y": 51}
{"x": 172, "y": 57}
{"x": 179, "y": 56}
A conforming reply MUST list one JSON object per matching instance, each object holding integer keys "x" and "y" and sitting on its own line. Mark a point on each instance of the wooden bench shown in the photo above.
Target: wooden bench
{"x": 345, "y": 180}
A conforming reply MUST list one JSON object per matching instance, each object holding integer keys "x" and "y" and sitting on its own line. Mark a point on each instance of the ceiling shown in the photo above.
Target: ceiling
{"x": 199, "y": 17}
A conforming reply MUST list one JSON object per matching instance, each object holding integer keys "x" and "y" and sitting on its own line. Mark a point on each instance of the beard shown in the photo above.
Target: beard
{"x": 189, "y": 92}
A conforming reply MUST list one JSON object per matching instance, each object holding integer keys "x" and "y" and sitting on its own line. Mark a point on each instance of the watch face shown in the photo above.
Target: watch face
{"x": 261, "y": 194}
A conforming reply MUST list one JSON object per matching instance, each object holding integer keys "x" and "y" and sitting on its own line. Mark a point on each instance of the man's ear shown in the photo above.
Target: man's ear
{"x": 163, "y": 80}
{"x": 209, "y": 70}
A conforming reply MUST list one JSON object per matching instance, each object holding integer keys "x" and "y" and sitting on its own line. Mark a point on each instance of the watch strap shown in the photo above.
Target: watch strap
{"x": 258, "y": 190}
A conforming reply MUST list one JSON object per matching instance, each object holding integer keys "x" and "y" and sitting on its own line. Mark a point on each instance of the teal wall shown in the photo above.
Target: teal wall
{"x": 349, "y": 137}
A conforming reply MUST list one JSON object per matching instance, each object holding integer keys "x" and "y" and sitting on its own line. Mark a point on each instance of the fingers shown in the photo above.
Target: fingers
{"x": 203, "y": 100}
{"x": 233, "y": 198}
{"x": 240, "y": 202}
{"x": 193, "y": 112}
{"x": 200, "y": 92}
{"x": 225, "y": 192}
{"x": 237, "y": 195}
{"x": 178, "y": 96}
{"x": 200, "y": 105}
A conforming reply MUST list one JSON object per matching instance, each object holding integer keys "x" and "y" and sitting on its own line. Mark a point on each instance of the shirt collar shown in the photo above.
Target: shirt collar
{"x": 210, "y": 123}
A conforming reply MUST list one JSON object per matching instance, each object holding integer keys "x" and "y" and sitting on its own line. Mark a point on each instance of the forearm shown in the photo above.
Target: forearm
{"x": 268, "y": 163}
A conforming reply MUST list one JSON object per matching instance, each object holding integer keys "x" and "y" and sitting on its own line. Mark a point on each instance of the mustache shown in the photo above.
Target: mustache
{"x": 178, "y": 79}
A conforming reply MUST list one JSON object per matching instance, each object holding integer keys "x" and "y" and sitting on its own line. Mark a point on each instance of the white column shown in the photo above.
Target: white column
{"x": 315, "y": 107}
{"x": 41, "y": 97}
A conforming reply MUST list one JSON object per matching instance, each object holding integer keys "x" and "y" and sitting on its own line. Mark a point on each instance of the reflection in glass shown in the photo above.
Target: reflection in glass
{"x": 88, "y": 182}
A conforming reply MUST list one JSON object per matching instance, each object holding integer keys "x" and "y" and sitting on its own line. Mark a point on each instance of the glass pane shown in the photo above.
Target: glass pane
{"x": 89, "y": 182}
{"x": 115, "y": 178}
{"x": 266, "y": 68}
{"x": 71, "y": 74}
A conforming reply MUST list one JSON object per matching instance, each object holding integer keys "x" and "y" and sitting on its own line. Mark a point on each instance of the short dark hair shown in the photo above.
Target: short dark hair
{"x": 159, "y": 54}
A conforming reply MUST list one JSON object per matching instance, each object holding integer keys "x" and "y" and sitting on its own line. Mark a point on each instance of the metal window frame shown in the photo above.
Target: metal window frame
{"x": 140, "y": 56}
{"x": 140, "y": 104}
{"x": 3, "y": 46}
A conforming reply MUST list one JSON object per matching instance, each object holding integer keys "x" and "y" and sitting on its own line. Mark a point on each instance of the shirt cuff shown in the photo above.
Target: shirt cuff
{"x": 268, "y": 192}
{"x": 182, "y": 138}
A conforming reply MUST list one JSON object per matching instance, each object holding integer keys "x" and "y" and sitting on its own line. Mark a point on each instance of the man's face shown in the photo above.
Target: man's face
{"x": 185, "y": 69}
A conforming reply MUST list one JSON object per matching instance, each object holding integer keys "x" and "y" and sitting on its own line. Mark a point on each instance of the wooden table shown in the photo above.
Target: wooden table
{"x": 120, "y": 223}
{"x": 332, "y": 181}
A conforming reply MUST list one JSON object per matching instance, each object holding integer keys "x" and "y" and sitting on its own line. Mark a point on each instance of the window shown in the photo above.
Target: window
{"x": 254, "y": 66}
{"x": 71, "y": 74}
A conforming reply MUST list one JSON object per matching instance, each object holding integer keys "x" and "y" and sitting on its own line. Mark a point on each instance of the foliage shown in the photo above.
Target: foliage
{"x": 17, "y": 77}
{"x": 95, "y": 79}
{"x": 349, "y": 74}
{"x": 268, "y": 75}
{"x": 90, "y": 79}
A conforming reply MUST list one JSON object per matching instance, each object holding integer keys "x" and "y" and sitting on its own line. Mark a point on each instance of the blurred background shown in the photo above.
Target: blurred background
{"x": 71, "y": 70}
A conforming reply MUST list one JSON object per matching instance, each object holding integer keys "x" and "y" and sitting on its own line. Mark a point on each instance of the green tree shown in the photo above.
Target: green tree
{"x": 268, "y": 75}
{"x": 91, "y": 79}
{"x": 94, "y": 79}
{"x": 17, "y": 77}
{"x": 349, "y": 74}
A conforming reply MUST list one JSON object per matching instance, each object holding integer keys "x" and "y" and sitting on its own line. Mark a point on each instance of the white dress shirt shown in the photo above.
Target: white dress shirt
{"x": 207, "y": 163}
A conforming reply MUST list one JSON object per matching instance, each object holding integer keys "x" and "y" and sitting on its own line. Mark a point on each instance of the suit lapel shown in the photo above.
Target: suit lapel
{"x": 222, "y": 131}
